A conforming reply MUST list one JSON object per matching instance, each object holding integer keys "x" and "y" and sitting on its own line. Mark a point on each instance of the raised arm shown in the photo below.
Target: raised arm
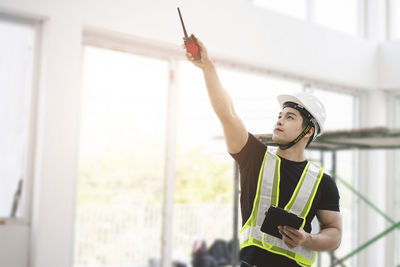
{"x": 235, "y": 132}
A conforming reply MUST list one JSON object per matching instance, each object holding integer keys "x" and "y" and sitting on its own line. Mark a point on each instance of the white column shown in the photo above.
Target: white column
{"x": 373, "y": 165}
{"x": 372, "y": 182}
{"x": 170, "y": 155}
{"x": 54, "y": 181}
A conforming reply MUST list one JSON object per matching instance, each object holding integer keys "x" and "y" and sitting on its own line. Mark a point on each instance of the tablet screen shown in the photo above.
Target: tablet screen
{"x": 276, "y": 216}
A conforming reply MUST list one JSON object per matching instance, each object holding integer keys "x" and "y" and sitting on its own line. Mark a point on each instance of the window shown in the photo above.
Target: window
{"x": 121, "y": 160}
{"x": 395, "y": 19}
{"x": 339, "y": 119}
{"x": 341, "y": 15}
{"x": 16, "y": 53}
{"x": 255, "y": 97}
{"x": 294, "y": 8}
{"x": 203, "y": 184}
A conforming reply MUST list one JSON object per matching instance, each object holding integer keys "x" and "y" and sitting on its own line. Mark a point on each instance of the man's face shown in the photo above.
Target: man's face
{"x": 288, "y": 126}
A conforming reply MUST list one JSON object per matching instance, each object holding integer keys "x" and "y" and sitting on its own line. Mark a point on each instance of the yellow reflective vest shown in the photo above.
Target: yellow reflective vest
{"x": 268, "y": 194}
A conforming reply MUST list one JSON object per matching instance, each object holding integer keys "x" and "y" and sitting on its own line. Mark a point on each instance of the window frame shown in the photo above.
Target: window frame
{"x": 310, "y": 16}
{"x": 391, "y": 14}
{"x": 26, "y": 198}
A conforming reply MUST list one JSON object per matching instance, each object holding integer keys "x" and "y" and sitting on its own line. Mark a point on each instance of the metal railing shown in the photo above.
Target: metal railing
{"x": 115, "y": 235}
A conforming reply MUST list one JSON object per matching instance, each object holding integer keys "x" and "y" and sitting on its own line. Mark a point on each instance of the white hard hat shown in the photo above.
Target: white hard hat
{"x": 310, "y": 103}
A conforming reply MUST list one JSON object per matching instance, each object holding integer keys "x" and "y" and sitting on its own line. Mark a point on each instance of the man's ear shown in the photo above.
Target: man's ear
{"x": 310, "y": 132}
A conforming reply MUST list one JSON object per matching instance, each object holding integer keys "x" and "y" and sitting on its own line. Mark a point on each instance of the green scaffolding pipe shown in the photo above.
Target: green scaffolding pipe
{"x": 366, "y": 244}
{"x": 369, "y": 203}
{"x": 375, "y": 208}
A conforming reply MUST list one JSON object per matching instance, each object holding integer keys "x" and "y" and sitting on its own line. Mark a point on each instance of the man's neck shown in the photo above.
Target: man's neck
{"x": 294, "y": 153}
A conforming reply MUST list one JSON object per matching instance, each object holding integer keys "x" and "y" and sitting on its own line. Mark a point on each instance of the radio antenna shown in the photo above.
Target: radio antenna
{"x": 183, "y": 25}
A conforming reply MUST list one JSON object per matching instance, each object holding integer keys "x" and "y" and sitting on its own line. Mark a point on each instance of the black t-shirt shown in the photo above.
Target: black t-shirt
{"x": 249, "y": 160}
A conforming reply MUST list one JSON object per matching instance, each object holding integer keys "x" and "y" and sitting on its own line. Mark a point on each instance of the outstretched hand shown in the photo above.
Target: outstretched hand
{"x": 204, "y": 60}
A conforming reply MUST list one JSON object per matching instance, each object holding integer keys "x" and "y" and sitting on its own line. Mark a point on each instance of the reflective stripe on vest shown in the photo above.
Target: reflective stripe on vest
{"x": 268, "y": 194}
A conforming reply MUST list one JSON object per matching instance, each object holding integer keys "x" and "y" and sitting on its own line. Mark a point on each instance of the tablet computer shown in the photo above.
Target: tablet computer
{"x": 276, "y": 216}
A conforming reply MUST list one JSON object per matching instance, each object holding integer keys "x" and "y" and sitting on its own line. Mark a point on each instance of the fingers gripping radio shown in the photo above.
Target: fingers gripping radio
{"x": 190, "y": 41}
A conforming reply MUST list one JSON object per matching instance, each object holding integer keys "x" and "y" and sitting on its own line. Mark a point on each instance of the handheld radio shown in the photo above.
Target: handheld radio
{"x": 190, "y": 42}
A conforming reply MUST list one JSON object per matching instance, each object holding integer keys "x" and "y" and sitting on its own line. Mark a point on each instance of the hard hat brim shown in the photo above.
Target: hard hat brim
{"x": 289, "y": 98}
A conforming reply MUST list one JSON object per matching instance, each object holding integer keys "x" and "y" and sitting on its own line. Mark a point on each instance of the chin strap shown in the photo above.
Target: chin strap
{"x": 298, "y": 138}
{"x": 312, "y": 123}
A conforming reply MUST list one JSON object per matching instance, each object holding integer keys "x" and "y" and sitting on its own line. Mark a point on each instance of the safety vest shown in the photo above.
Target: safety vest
{"x": 268, "y": 194}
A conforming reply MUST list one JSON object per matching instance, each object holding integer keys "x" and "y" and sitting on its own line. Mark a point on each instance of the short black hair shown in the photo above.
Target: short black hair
{"x": 304, "y": 124}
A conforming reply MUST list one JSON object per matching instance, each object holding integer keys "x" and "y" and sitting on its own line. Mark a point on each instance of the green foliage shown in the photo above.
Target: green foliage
{"x": 132, "y": 175}
{"x": 201, "y": 178}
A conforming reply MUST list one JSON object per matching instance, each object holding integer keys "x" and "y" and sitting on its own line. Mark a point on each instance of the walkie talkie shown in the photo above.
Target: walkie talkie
{"x": 190, "y": 42}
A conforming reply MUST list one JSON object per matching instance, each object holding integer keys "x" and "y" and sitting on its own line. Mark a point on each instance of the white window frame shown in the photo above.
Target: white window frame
{"x": 29, "y": 168}
{"x": 390, "y": 19}
{"x": 361, "y": 15}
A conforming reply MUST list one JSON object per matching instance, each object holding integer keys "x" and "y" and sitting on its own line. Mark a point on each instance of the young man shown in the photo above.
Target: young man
{"x": 278, "y": 177}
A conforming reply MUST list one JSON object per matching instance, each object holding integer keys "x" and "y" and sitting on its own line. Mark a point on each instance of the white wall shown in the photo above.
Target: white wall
{"x": 14, "y": 245}
{"x": 389, "y": 60}
{"x": 231, "y": 30}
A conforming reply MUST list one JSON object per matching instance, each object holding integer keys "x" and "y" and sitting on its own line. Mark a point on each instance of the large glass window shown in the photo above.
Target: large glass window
{"x": 337, "y": 118}
{"x": 294, "y": 8}
{"x": 16, "y": 54}
{"x": 203, "y": 185}
{"x": 121, "y": 159}
{"x": 255, "y": 97}
{"x": 341, "y": 15}
{"x": 395, "y": 19}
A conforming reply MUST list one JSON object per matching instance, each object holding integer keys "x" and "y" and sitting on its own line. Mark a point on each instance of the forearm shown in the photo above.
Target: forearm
{"x": 327, "y": 239}
{"x": 219, "y": 98}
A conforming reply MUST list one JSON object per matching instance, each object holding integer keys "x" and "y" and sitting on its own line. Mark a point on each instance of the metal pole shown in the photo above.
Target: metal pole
{"x": 334, "y": 165}
{"x": 332, "y": 254}
{"x": 366, "y": 201}
{"x": 366, "y": 244}
{"x": 321, "y": 159}
{"x": 235, "y": 243}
